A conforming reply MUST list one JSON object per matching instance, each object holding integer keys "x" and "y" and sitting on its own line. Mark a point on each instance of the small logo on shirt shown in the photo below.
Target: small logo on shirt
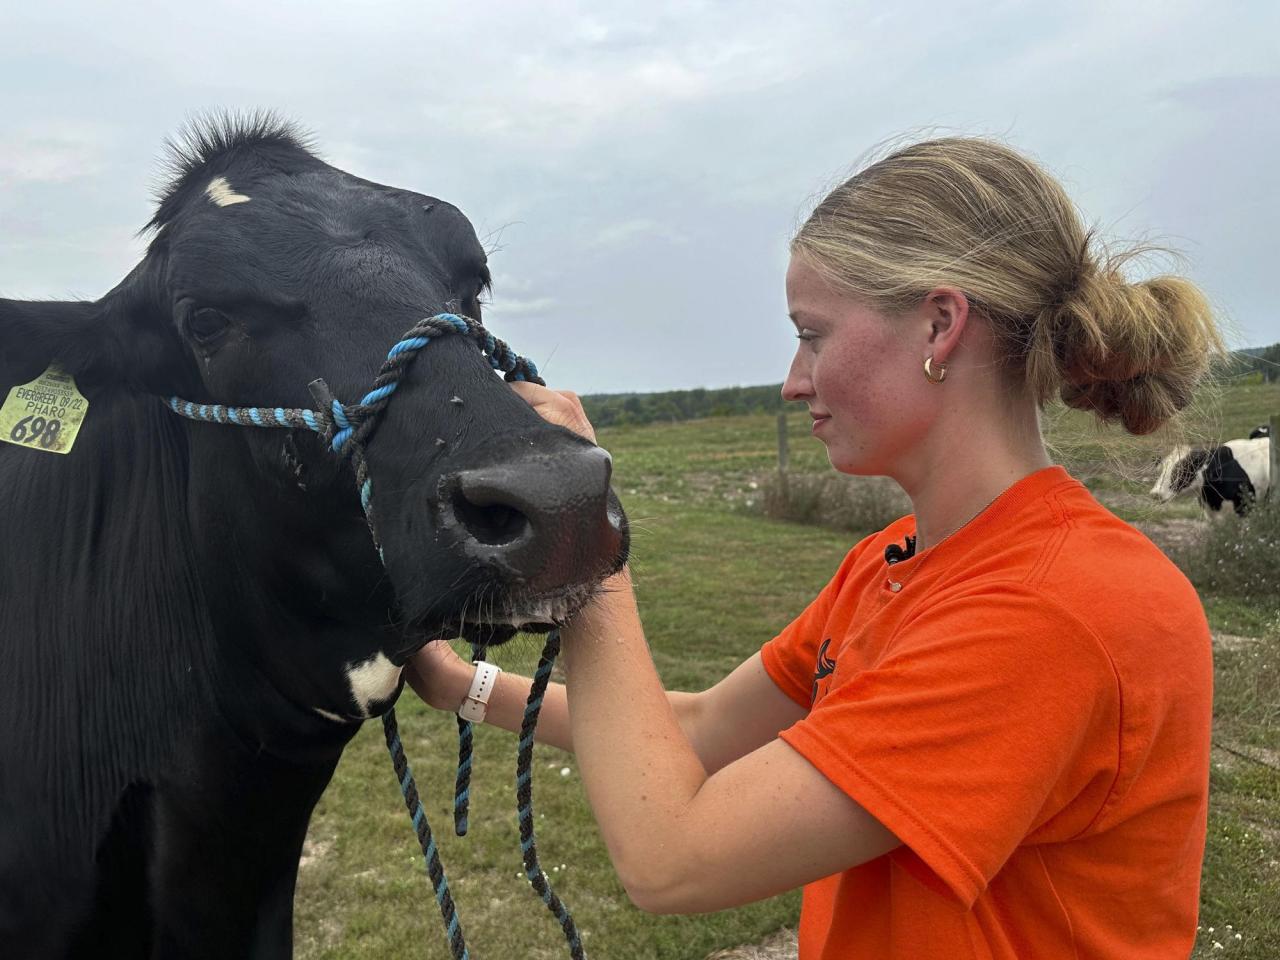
{"x": 826, "y": 666}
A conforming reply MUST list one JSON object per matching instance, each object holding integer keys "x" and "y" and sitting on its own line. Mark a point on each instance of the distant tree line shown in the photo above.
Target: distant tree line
{"x": 1263, "y": 360}
{"x": 671, "y": 406}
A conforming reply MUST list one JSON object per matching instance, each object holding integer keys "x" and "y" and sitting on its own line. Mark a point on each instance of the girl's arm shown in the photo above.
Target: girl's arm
{"x": 743, "y": 711}
{"x": 684, "y": 840}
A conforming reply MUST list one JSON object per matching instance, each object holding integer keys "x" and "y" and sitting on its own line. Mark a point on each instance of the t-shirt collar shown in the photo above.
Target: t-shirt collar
{"x": 1030, "y": 488}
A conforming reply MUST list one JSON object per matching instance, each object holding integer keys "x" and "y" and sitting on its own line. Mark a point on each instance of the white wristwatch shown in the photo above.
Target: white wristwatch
{"x": 476, "y": 704}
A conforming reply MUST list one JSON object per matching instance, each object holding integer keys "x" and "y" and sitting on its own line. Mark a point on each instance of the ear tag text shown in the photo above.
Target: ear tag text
{"x": 44, "y": 414}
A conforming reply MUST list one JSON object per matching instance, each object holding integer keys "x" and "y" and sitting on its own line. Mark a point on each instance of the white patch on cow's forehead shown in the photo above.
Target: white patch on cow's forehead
{"x": 372, "y": 680}
{"x": 221, "y": 193}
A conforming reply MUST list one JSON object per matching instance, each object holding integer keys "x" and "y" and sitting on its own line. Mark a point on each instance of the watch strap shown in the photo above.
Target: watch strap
{"x": 476, "y": 704}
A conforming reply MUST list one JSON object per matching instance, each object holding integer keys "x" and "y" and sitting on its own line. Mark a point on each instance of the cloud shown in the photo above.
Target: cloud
{"x": 625, "y": 232}
{"x": 637, "y": 169}
{"x": 50, "y": 157}
{"x": 507, "y": 307}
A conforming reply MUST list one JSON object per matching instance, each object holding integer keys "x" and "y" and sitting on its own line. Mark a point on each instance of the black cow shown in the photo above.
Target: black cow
{"x": 193, "y": 618}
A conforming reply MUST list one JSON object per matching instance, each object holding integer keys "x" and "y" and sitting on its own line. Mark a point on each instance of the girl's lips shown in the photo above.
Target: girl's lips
{"x": 818, "y": 422}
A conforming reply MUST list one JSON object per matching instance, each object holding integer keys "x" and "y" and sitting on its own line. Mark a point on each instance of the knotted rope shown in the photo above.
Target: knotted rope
{"x": 348, "y": 429}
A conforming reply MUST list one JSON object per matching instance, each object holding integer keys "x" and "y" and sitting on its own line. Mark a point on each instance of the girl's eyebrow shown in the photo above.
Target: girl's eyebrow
{"x": 797, "y": 315}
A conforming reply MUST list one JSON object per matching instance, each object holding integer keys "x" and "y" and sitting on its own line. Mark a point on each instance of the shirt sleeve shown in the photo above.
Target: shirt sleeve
{"x": 789, "y": 657}
{"x": 984, "y": 715}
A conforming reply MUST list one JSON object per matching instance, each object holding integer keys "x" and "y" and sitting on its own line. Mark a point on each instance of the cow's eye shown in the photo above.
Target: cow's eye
{"x": 207, "y": 324}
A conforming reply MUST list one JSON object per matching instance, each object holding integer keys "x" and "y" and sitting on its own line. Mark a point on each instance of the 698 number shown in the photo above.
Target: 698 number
{"x": 36, "y": 430}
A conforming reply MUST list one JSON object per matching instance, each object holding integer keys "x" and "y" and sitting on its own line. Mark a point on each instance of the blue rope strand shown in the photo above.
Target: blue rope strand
{"x": 462, "y": 778}
{"x": 533, "y": 871}
{"x": 427, "y": 843}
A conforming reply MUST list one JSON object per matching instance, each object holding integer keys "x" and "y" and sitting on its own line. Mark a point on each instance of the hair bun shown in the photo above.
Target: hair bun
{"x": 1141, "y": 404}
{"x": 1131, "y": 352}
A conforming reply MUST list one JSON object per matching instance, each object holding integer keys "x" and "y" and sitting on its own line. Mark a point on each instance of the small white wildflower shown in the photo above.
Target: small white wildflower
{"x": 1238, "y": 937}
{"x": 1217, "y": 945}
{"x": 564, "y": 771}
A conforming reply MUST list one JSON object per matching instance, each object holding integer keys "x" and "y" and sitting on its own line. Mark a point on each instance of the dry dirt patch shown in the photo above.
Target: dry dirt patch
{"x": 314, "y": 849}
{"x": 781, "y": 946}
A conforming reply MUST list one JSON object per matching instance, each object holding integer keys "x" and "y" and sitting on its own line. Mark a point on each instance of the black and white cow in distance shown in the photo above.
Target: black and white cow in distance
{"x": 193, "y": 619}
{"x": 1236, "y": 472}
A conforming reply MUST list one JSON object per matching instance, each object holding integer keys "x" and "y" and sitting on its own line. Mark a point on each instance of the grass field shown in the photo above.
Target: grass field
{"x": 716, "y": 579}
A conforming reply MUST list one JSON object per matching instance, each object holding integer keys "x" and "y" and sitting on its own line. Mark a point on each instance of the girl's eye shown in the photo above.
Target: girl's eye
{"x": 805, "y": 334}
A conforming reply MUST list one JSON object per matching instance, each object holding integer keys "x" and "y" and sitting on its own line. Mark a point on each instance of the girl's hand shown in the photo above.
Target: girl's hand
{"x": 439, "y": 676}
{"x": 561, "y": 407}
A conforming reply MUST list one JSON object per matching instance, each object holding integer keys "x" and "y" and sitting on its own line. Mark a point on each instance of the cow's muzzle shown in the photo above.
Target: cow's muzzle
{"x": 541, "y": 522}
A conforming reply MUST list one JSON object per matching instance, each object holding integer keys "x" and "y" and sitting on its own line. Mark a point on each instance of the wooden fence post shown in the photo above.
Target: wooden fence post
{"x": 1274, "y": 446}
{"x": 782, "y": 443}
{"x": 784, "y": 457}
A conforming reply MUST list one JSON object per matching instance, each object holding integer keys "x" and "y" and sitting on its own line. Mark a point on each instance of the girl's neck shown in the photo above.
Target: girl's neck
{"x": 959, "y": 479}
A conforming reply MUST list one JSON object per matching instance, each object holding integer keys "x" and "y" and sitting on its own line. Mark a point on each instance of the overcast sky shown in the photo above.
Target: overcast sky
{"x": 637, "y": 169}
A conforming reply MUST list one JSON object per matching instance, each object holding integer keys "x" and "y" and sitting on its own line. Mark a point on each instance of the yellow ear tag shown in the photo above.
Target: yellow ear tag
{"x": 44, "y": 414}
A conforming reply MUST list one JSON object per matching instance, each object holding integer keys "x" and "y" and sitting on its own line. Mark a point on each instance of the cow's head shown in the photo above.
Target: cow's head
{"x": 1180, "y": 472}
{"x": 268, "y": 269}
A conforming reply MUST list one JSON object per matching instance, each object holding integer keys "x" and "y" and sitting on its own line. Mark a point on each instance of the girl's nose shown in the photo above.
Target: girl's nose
{"x": 798, "y": 385}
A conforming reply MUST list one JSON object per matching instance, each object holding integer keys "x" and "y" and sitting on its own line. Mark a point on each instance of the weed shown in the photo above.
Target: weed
{"x": 833, "y": 500}
{"x": 1238, "y": 557}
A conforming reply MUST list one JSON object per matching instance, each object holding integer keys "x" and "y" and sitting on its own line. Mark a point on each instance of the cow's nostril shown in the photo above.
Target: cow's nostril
{"x": 493, "y": 524}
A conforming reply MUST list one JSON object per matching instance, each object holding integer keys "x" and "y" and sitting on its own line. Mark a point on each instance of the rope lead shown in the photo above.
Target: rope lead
{"x": 439, "y": 884}
{"x": 533, "y": 871}
{"x": 462, "y": 780}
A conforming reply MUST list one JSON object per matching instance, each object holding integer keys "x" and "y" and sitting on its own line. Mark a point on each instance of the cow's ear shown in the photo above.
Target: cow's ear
{"x": 34, "y": 333}
{"x": 114, "y": 340}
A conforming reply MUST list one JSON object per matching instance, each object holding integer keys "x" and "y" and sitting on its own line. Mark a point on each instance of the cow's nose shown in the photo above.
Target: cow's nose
{"x": 545, "y": 521}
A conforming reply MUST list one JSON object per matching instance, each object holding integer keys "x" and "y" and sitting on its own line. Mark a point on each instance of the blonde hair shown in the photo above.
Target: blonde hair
{"x": 974, "y": 214}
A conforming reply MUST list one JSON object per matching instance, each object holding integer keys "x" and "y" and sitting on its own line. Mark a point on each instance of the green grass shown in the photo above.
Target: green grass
{"x": 715, "y": 580}
{"x": 1241, "y": 886}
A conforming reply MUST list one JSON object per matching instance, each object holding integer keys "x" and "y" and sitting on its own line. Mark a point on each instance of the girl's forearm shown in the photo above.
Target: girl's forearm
{"x": 511, "y": 693}
{"x": 639, "y": 767}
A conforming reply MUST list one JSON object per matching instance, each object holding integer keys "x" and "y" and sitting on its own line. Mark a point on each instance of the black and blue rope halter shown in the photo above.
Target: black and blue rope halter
{"x": 348, "y": 428}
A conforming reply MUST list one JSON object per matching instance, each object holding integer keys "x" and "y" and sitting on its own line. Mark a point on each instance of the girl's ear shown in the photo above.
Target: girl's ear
{"x": 947, "y": 312}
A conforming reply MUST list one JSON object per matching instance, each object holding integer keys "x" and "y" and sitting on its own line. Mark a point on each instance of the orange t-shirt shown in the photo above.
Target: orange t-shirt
{"x": 1029, "y": 712}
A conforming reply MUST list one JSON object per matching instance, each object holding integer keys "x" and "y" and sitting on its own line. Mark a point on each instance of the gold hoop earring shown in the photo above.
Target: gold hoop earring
{"x": 928, "y": 370}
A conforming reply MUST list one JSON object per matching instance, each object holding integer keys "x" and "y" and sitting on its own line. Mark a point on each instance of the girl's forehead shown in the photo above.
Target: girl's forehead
{"x": 804, "y": 283}
{"x": 811, "y": 294}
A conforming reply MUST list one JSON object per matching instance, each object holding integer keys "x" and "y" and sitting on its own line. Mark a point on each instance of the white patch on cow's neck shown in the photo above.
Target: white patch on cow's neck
{"x": 221, "y": 193}
{"x": 331, "y": 716}
{"x": 372, "y": 680}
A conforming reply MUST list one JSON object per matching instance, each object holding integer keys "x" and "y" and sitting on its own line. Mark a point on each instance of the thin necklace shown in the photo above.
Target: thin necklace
{"x": 969, "y": 521}
{"x": 896, "y": 585}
